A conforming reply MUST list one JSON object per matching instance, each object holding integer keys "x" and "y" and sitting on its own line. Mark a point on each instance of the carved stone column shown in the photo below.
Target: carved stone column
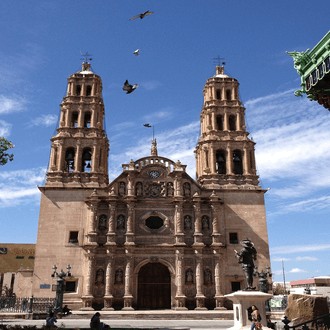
{"x": 52, "y": 165}
{"x": 238, "y": 121}
{"x": 94, "y": 158}
{"x": 130, "y": 185}
{"x": 87, "y": 298}
{"x": 212, "y": 160}
{"x": 177, "y": 186}
{"x": 225, "y": 121}
{"x": 128, "y": 298}
{"x": 60, "y": 157}
{"x": 80, "y": 117}
{"x": 219, "y": 298}
{"x": 216, "y": 236}
{"x": 198, "y": 236}
{"x": 229, "y": 161}
{"x": 200, "y": 298}
{"x": 92, "y": 223}
{"x": 108, "y": 297}
{"x": 214, "y": 121}
{"x": 246, "y": 161}
{"x": 179, "y": 235}
{"x": 77, "y": 158}
{"x": 111, "y": 234}
{"x": 180, "y": 297}
{"x": 129, "y": 236}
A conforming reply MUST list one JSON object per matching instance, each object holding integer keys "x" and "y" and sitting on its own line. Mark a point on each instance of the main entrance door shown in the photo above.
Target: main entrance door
{"x": 154, "y": 287}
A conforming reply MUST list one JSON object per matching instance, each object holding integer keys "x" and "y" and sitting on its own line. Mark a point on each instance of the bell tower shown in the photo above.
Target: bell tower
{"x": 224, "y": 153}
{"x": 79, "y": 150}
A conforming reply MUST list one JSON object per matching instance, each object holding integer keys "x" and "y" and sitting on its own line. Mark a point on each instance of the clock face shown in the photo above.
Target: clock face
{"x": 154, "y": 174}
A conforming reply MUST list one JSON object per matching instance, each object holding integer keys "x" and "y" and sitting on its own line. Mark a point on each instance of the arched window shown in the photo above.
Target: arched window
{"x": 218, "y": 94}
{"x": 228, "y": 94}
{"x": 237, "y": 159}
{"x": 69, "y": 160}
{"x": 86, "y": 160}
{"x": 220, "y": 162}
{"x": 87, "y": 120}
{"x": 74, "y": 119}
{"x": 232, "y": 123}
{"x": 219, "y": 123}
{"x": 88, "y": 90}
{"x": 78, "y": 90}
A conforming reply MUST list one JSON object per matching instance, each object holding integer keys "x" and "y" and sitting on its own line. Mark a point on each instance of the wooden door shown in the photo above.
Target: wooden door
{"x": 154, "y": 287}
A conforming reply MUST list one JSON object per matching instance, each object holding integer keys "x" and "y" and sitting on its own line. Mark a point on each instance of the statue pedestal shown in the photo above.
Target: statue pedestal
{"x": 242, "y": 300}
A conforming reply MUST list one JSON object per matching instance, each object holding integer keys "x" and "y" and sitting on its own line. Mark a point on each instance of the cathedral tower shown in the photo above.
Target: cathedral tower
{"x": 79, "y": 151}
{"x": 224, "y": 153}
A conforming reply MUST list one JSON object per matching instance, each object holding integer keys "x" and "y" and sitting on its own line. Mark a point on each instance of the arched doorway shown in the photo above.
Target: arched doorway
{"x": 154, "y": 287}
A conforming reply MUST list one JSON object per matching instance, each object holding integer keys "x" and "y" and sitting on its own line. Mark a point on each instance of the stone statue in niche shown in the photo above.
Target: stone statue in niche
{"x": 189, "y": 276}
{"x": 246, "y": 258}
{"x": 170, "y": 189}
{"x": 207, "y": 276}
{"x": 186, "y": 189}
{"x": 139, "y": 189}
{"x": 187, "y": 222}
{"x": 100, "y": 276}
{"x": 122, "y": 188}
{"x": 205, "y": 222}
{"x": 119, "y": 276}
{"x": 102, "y": 222}
{"x": 121, "y": 222}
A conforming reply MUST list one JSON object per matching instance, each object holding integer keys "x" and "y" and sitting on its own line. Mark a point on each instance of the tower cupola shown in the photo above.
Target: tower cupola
{"x": 79, "y": 151}
{"x": 224, "y": 153}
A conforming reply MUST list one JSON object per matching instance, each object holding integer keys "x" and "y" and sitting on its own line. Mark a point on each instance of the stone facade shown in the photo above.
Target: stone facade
{"x": 154, "y": 237}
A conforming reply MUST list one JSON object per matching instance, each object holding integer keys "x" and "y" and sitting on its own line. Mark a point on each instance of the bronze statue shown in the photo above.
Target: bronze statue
{"x": 246, "y": 258}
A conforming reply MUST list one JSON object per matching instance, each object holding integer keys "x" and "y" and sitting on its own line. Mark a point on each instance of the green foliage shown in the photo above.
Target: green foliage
{"x": 4, "y": 146}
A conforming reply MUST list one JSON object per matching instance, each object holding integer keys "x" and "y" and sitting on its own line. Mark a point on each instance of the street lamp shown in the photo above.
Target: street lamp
{"x": 263, "y": 282}
{"x": 60, "y": 286}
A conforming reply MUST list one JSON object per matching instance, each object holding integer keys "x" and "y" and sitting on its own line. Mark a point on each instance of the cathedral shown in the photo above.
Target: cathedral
{"x": 153, "y": 238}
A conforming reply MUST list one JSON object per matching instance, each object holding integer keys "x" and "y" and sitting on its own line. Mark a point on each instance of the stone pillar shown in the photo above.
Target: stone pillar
{"x": 108, "y": 297}
{"x": 200, "y": 298}
{"x": 94, "y": 157}
{"x": 229, "y": 161}
{"x": 93, "y": 89}
{"x": 130, "y": 185}
{"x": 212, "y": 160}
{"x": 179, "y": 235}
{"x": 60, "y": 157}
{"x": 246, "y": 170}
{"x": 219, "y": 298}
{"x": 180, "y": 298}
{"x": 216, "y": 236}
{"x": 87, "y": 298}
{"x": 225, "y": 121}
{"x": 129, "y": 236}
{"x": 80, "y": 116}
{"x": 66, "y": 117}
{"x": 128, "y": 298}
{"x": 92, "y": 223}
{"x": 77, "y": 157}
{"x": 177, "y": 186}
{"x": 238, "y": 122}
{"x": 52, "y": 165}
{"x": 198, "y": 236}
{"x": 111, "y": 234}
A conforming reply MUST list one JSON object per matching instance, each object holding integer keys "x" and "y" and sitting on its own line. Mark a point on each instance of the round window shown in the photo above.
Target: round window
{"x": 154, "y": 222}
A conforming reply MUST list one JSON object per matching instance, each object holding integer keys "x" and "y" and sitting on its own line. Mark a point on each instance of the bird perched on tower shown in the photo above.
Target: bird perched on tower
{"x": 142, "y": 15}
{"x": 128, "y": 88}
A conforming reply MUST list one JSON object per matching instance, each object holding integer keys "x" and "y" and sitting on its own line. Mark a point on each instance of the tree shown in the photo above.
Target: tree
{"x": 278, "y": 288}
{"x": 4, "y": 146}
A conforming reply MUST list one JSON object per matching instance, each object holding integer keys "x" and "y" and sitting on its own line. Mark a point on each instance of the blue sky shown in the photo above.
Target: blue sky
{"x": 40, "y": 44}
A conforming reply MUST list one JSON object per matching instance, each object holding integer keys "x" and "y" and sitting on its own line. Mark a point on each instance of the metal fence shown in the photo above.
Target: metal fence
{"x": 26, "y": 305}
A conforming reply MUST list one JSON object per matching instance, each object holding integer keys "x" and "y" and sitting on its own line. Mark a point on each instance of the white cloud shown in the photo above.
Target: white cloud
{"x": 150, "y": 85}
{"x": 10, "y": 104}
{"x": 5, "y": 128}
{"x": 306, "y": 258}
{"x": 280, "y": 259}
{"x": 299, "y": 248}
{"x": 44, "y": 120}
{"x": 159, "y": 116}
{"x": 123, "y": 126}
{"x": 297, "y": 270}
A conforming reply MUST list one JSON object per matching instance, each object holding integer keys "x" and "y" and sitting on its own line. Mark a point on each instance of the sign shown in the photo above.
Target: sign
{"x": 44, "y": 286}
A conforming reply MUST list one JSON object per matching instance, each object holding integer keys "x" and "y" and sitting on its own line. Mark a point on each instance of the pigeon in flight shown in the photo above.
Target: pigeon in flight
{"x": 142, "y": 15}
{"x": 146, "y": 125}
{"x": 137, "y": 52}
{"x": 129, "y": 88}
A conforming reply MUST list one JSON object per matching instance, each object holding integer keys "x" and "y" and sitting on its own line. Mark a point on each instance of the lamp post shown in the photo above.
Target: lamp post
{"x": 60, "y": 286}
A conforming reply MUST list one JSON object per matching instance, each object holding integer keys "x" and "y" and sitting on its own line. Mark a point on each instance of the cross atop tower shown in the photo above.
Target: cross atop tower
{"x": 86, "y": 57}
{"x": 217, "y": 61}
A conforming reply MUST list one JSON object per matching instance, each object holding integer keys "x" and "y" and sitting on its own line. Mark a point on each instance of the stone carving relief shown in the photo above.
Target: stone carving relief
{"x": 187, "y": 222}
{"x": 99, "y": 262}
{"x": 139, "y": 189}
{"x": 154, "y": 189}
{"x": 205, "y": 222}
{"x": 189, "y": 276}
{"x": 122, "y": 189}
{"x": 186, "y": 189}
{"x": 118, "y": 292}
{"x": 170, "y": 189}
{"x": 121, "y": 222}
{"x": 119, "y": 276}
{"x": 120, "y": 261}
{"x": 207, "y": 276}
{"x": 99, "y": 276}
{"x": 188, "y": 262}
{"x": 102, "y": 222}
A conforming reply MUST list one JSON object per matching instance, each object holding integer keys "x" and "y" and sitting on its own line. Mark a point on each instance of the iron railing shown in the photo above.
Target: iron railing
{"x": 319, "y": 323}
{"x": 26, "y": 305}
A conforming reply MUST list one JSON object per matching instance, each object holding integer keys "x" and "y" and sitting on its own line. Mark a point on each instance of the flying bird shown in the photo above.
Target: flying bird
{"x": 129, "y": 88}
{"x": 137, "y": 52}
{"x": 142, "y": 15}
{"x": 146, "y": 125}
